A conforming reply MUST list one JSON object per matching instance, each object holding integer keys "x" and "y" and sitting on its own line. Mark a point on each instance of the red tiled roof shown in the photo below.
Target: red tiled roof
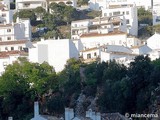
{"x": 6, "y": 25}
{"x": 106, "y": 34}
{"x": 13, "y": 42}
{"x": 8, "y": 53}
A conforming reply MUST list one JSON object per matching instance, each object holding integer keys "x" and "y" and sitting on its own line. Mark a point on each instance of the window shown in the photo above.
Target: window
{"x": 8, "y": 30}
{"x": 26, "y": 4}
{"x": 116, "y": 13}
{"x": 113, "y": 42}
{"x": 157, "y": 18}
{"x": 12, "y": 48}
{"x": 123, "y": 13}
{"x": 127, "y": 12}
{"x": 3, "y": 15}
{"x": 105, "y": 14}
{"x": 127, "y": 21}
{"x": 110, "y": 14}
{"x": 6, "y": 48}
{"x": 95, "y": 54}
{"x": 8, "y": 38}
{"x": 120, "y": 42}
{"x": 20, "y": 48}
{"x": 0, "y": 39}
{"x": 88, "y": 56}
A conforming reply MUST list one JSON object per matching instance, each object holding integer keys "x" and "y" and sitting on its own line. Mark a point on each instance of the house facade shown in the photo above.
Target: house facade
{"x": 98, "y": 25}
{"x": 9, "y": 57}
{"x": 6, "y": 15}
{"x": 15, "y": 31}
{"x": 55, "y": 52}
{"x": 30, "y": 4}
{"x": 102, "y": 4}
{"x": 154, "y": 41}
{"x": 128, "y": 11}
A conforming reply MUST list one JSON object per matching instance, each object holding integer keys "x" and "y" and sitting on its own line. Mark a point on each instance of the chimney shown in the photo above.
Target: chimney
{"x": 36, "y": 109}
{"x": 98, "y": 116}
{"x": 69, "y": 114}
{"x": 17, "y": 20}
{"x": 10, "y": 118}
{"x": 42, "y": 39}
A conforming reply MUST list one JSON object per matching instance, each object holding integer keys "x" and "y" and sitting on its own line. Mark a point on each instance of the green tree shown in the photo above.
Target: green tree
{"x": 144, "y": 16}
{"x": 21, "y": 84}
{"x": 114, "y": 71}
{"x": 40, "y": 12}
{"x": 26, "y": 14}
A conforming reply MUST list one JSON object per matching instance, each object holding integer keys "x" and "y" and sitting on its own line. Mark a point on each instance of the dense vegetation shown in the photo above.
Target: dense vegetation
{"x": 117, "y": 87}
{"x": 146, "y": 29}
{"x": 57, "y": 16}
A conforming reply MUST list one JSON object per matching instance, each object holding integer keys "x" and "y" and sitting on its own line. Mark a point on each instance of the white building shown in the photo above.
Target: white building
{"x": 120, "y": 54}
{"x": 128, "y": 11}
{"x": 102, "y": 4}
{"x": 156, "y": 14}
{"x": 19, "y": 45}
{"x": 16, "y": 31}
{"x": 154, "y": 41}
{"x": 6, "y": 15}
{"x": 98, "y": 25}
{"x": 55, "y": 52}
{"x": 92, "y": 40}
{"x": 154, "y": 54}
{"x": 90, "y": 55}
{"x": 7, "y": 58}
{"x": 30, "y": 4}
{"x": 141, "y": 50}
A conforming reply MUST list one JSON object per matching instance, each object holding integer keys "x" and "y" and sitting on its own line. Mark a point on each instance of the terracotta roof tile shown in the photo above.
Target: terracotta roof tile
{"x": 106, "y": 34}
{"x": 13, "y": 42}
{"x": 6, "y": 25}
{"x": 9, "y": 53}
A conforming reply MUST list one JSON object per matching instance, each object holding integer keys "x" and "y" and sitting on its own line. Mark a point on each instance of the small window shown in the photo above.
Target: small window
{"x": 88, "y": 56}
{"x": 26, "y": 4}
{"x": 113, "y": 42}
{"x": 3, "y": 15}
{"x": 12, "y": 48}
{"x": 127, "y": 13}
{"x": 0, "y": 39}
{"x": 95, "y": 54}
{"x": 116, "y": 13}
{"x": 110, "y": 14}
{"x": 105, "y": 14}
{"x": 120, "y": 42}
{"x": 20, "y": 48}
{"x": 127, "y": 21}
{"x": 6, "y": 48}
{"x": 8, "y": 30}
{"x": 123, "y": 13}
{"x": 8, "y": 38}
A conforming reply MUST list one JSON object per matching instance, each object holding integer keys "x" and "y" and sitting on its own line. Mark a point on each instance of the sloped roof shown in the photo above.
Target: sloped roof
{"x": 144, "y": 49}
{"x": 117, "y": 48}
{"x": 13, "y": 42}
{"x": 27, "y": 43}
{"x": 154, "y": 37}
{"x": 106, "y": 34}
{"x": 10, "y": 53}
{"x": 154, "y": 41}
